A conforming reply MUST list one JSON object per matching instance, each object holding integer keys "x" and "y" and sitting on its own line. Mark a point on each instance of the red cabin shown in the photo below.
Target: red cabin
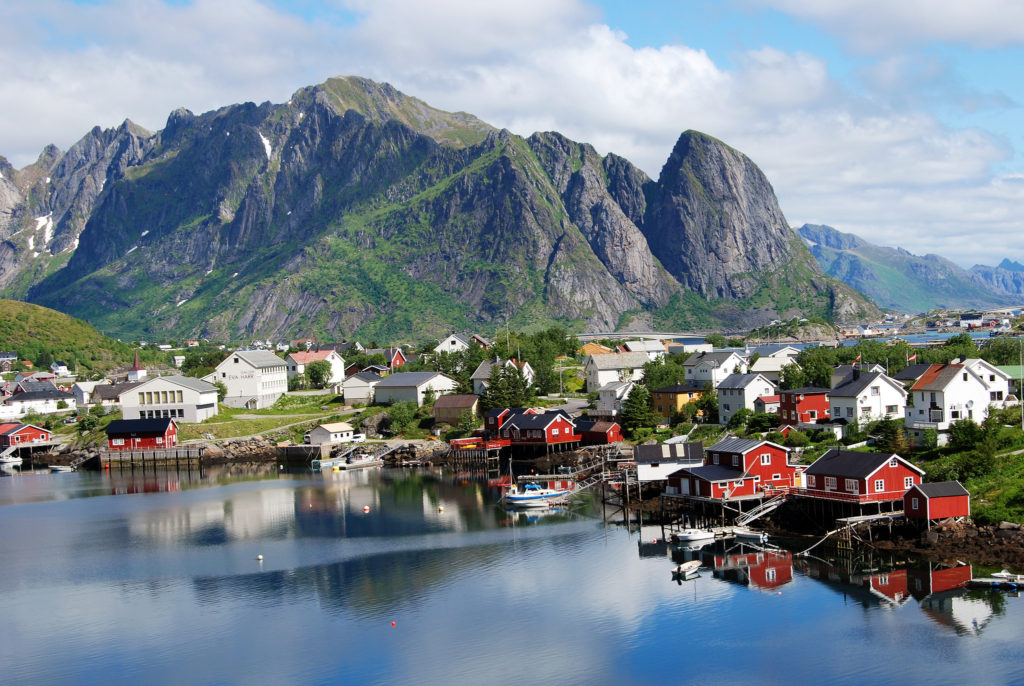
{"x": 142, "y": 434}
{"x": 494, "y": 418}
{"x": 737, "y": 468}
{"x": 18, "y": 434}
{"x": 859, "y": 477}
{"x": 803, "y": 405}
{"x": 937, "y": 501}
{"x": 599, "y": 433}
{"x": 550, "y": 428}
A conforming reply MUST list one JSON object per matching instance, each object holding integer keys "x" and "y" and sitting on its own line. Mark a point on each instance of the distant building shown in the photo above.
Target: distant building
{"x": 180, "y": 397}
{"x": 141, "y": 434}
{"x": 255, "y": 379}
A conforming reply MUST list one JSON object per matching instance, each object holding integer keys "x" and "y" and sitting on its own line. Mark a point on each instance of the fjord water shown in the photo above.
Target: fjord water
{"x": 130, "y": 578}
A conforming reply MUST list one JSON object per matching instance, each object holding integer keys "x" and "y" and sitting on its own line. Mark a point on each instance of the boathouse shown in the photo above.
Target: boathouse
{"x": 939, "y": 500}
{"x": 599, "y": 433}
{"x": 548, "y": 431}
{"x": 142, "y": 434}
{"x": 17, "y": 434}
{"x": 737, "y": 468}
{"x": 849, "y": 476}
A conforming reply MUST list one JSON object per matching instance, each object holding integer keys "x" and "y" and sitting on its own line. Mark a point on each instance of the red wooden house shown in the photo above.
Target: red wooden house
{"x": 18, "y": 434}
{"x": 803, "y": 405}
{"x": 937, "y": 501}
{"x": 599, "y": 433}
{"x": 539, "y": 430}
{"x": 737, "y": 468}
{"x": 142, "y": 434}
{"x": 494, "y": 418}
{"x": 859, "y": 477}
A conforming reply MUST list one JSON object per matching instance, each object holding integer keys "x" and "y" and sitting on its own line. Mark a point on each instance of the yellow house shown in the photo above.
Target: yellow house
{"x": 670, "y": 399}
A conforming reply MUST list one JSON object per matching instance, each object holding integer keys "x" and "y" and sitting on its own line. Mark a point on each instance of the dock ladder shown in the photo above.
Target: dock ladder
{"x": 762, "y": 509}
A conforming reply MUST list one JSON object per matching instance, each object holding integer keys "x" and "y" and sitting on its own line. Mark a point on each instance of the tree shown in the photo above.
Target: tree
{"x": 707, "y": 405}
{"x": 400, "y": 417}
{"x": 318, "y": 373}
{"x": 762, "y": 421}
{"x": 796, "y": 439}
{"x": 964, "y": 435}
{"x": 87, "y": 423}
{"x": 738, "y": 421}
{"x": 222, "y": 391}
{"x": 792, "y": 376}
{"x": 636, "y": 409}
{"x": 889, "y": 436}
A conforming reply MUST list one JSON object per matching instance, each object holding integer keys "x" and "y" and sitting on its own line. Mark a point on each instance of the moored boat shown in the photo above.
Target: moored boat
{"x": 688, "y": 535}
{"x": 61, "y": 468}
{"x": 532, "y": 495}
{"x": 750, "y": 534}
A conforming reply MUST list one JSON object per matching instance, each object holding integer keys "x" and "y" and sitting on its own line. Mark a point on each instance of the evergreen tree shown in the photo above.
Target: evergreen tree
{"x": 636, "y": 409}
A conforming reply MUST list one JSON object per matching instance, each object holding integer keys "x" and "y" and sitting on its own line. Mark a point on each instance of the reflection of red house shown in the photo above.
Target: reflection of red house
{"x": 803, "y": 405}
{"x": 18, "y": 434}
{"x": 937, "y": 501}
{"x": 737, "y": 468}
{"x": 142, "y": 434}
{"x": 892, "y": 585}
{"x": 764, "y": 570}
{"x": 859, "y": 477}
{"x": 924, "y": 581}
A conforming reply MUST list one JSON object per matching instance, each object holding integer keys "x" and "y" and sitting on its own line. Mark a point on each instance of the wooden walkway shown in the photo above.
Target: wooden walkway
{"x": 189, "y": 453}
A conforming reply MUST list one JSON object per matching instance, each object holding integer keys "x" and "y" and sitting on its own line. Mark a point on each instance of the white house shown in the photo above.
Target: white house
{"x": 655, "y": 350}
{"x": 40, "y": 397}
{"x": 413, "y": 387}
{"x": 610, "y": 398}
{"x": 297, "y": 362}
{"x": 603, "y": 369}
{"x": 481, "y": 377}
{"x": 947, "y": 393}
{"x": 713, "y": 367}
{"x": 59, "y": 368}
{"x": 83, "y": 390}
{"x": 337, "y": 432}
{"x": 255, "y": 379}
{"x": 866, "y": 397}
{"x": 358, "y": 388}
{"x": 455, "y": 343}
{"x": 182, "y": 398}
{"x": 771, "y": 367}
{"x": 737, "y": 391}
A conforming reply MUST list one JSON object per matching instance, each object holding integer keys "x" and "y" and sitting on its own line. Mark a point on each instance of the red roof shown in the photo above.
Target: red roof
{"x": 769, "y": 398}
{"x": 307, "y": 356}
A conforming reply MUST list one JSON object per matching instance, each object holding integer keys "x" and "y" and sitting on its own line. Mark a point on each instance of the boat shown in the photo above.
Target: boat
{"x": 532, "y": 495}
{"x": 10, "y": 459}
{"x": 357, "y": 461}
{"x": 687, "y": 568}
{"x": 750, "y": 534}
{"x": 688, "y": 535}
{"x": 61, "y": 468}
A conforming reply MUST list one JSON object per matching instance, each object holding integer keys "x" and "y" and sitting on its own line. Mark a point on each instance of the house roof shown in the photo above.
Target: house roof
{"x": 937, "y": 377}
{"x": 770, "y": 364}
{"x": 188, "y": 382}
{"x": 854, "y": 387}
{"x": 768, "y": 398}
{"x": 712, "y": 472}
{"x": 407, "y": 379}
{"x": 692, "y": 451}
{"x": 942, "y": 489}
{"x": 681, "y": 388}
{"x": 464, "y": 401}
{"x": 717, "y": 358}
{"x": 112, "y": 390}
{"x": 911, "y": 372}
{"x": 594, "y": 349}
{"x": 307, "y": 356}
{"x": 742, "y": 380}
{"x": 619, "y": 360}
{"x": 368, "y": 377}
{"x": 852, "y": 465}
{"x": 260, "y": 359}
{"x": 334, "y": 427}
{"x": 591, "y": 425}
{"x": 10, "y": 428}
{"x": 534, "y": 421}
{"x": 127, "y": 426}
{"x": 806, "y": 390}
{"x": 615, "y": 386}
{"x": 740, "y": 445}
{"x": 774, "y": 350}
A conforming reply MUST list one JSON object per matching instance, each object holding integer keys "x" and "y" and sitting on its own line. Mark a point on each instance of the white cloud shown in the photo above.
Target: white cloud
{"x": 874, "y": 161}
{"x": 874, "y": 25}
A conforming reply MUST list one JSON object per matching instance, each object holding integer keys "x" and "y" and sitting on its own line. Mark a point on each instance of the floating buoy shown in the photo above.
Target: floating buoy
{"x": 366, "y": 508}
{"x": 260, "y": 558}
{"x": 392, "y": 623}
{"x": 440, "y": 508}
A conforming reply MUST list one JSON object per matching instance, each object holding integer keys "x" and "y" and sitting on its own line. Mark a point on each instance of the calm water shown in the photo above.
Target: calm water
{"x": 119, "y": 579}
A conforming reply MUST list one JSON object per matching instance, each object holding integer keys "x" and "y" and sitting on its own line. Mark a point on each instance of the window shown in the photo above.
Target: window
{"x": 715, "y": 458}
{"x": 849, "y": 412}
{"x": 725, "y": 406}
{"x": 766, "y": 458}
{"x": 965, "y": 376}
{"x": 810, "y": 480}
{"x": 931, "y": 397}
{"x": 116, "y": 441}
{"x": 776, "y": 477}
{"x": 996, "y": 395}
{"x": 236, "y": 360}
{"x": 812, "y": 414}
{"x": 908, "y": 482}
{"x": 735, "y": 460}
{"x": 769, "y": 574}
{"x": 830, "y": 482}
{"x": 874, "y": 390}
{"x": 894, "y": 462}
{"x": 954, "y": 414}
{"x": 159, "y": 440}
{"x": 913, "y": 503}
{"x": 852, "y": 486}
{"x": 991, "y": 377}
{"x": 879, "y": 485}
{"x": 554, "y": 432}
{"x": 890, "y": 409}
{"x": 865, "y": 411}
{"x": 142, "y": 398}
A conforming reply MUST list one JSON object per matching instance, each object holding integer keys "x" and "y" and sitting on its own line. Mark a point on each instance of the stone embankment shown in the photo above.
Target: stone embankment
{"x": 999, "y": 545}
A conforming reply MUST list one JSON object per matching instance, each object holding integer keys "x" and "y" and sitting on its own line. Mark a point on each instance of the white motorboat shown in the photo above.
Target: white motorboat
{"x": 61, "y": 468}
{"x": 689, "y": 535}
{"x": 750, "y": 534}
{"x": 10, "y": 459}
{"x": 532, "y": 495}
{"x": 687, "y": 568}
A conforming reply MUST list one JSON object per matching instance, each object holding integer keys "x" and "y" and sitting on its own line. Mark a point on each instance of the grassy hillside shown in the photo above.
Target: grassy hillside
{"x": 42, "y": 335}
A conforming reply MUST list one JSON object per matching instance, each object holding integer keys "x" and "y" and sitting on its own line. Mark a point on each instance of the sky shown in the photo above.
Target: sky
{"x": 896, "y": 121}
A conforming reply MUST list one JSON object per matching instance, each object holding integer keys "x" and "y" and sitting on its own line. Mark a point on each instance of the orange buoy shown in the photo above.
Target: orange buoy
{"x": 366, "y": 508}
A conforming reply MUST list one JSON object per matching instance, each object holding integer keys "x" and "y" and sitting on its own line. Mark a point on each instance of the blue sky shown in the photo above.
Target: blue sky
{"x": 899, "y": 122}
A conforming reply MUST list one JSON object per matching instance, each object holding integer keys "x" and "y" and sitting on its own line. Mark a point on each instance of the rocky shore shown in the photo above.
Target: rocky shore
{"x": 1000, "y": 545}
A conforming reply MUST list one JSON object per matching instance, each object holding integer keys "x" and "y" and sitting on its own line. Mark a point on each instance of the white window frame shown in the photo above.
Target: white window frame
{"x": 810, "y": 481}
{"x": 879, "y": 485}
{"x": 116, "y": 441}
{"x": 766, "y": 458}
{"x": 830, "y": 483}
{"x": 852, "y": 486}
{"x": 914, "y": 504}
{"x": 908, "y": 482}
{"x": 894, "y": 462}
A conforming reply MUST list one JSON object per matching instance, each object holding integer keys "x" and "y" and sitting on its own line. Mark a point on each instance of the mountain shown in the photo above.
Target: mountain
{"x": 354, "y": 209}
{"x": 1007, "y": 277}
{"x": 43, "y": 335}
{"x": 895, "y": 278}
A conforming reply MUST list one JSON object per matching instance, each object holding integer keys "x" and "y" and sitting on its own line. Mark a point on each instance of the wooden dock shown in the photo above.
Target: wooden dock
{"x": 185, "y": 454}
